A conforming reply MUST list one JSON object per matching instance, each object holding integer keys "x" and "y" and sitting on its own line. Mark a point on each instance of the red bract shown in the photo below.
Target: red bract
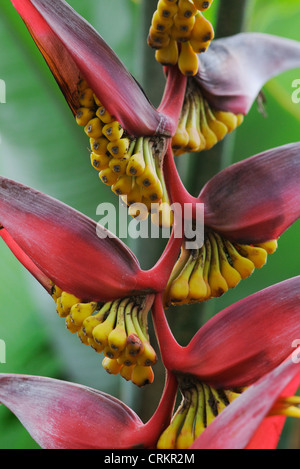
{"x": 82, "y": 257}
{"x": 235, "y": 349}
{"x": 233, "y": 71}
{"x": 247, "y": 423}
{"x": 242, "y": 343}
{"x": 258, "y": 198}
{"x": 25, "y": 260}
{"x": 74, "y": 50}
{"x": 62, "y": 415}
{"x": 252, "y": 201}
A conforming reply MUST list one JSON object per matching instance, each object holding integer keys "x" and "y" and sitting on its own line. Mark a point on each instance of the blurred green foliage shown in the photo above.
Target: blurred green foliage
{"x": 42, "y": 147}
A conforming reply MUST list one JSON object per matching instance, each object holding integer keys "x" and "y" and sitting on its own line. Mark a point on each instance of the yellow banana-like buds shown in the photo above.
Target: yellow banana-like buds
{"x": 200, "y": 127}
{"x": 287, "y": 406}
{"x": 117, "y": 329}
{"x": 212, "y": 270}
{"x": 200, "y": 405}
{"x": 179, "y": 32}
{"x": 130, "y": 166}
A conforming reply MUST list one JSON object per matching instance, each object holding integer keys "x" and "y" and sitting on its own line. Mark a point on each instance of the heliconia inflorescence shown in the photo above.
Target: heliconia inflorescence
{"x": 236, "y": 377}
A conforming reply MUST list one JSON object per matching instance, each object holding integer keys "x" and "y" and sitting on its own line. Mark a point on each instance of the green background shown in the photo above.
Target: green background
{"x": 42, "y": 147}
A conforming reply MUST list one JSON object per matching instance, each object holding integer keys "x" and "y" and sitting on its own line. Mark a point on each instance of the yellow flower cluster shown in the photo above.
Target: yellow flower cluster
{"x": 118, "y": 329}
{"x": 213, "y": 269}
{"x": 200, "y": 127}
{"x": 179, "y": 32}
{"x": 200, "y": 405}
{"x": 130, "y": 166}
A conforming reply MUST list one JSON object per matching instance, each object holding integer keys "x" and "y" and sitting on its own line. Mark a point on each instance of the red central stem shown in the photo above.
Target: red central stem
{"x": 159, "y": 275}
{"x": 160, "y": 420}
{"x": 171, "y": 352}
{"x": 170, "y": 106}
{"x": 176, "y": 189}
{"x": 174, "y": 93}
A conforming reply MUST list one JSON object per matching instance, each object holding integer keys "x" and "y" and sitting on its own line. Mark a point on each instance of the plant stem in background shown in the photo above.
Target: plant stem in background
{"x": 232, "y": 17}
{"x": 152, "y": 74}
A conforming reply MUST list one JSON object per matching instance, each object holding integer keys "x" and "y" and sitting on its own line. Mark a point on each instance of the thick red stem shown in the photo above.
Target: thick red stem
{"x": 176, "y": 190}
{"x": 163, "y": 414}
{"x": 171, "y": 352}
{"x": 173, "y": 98}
